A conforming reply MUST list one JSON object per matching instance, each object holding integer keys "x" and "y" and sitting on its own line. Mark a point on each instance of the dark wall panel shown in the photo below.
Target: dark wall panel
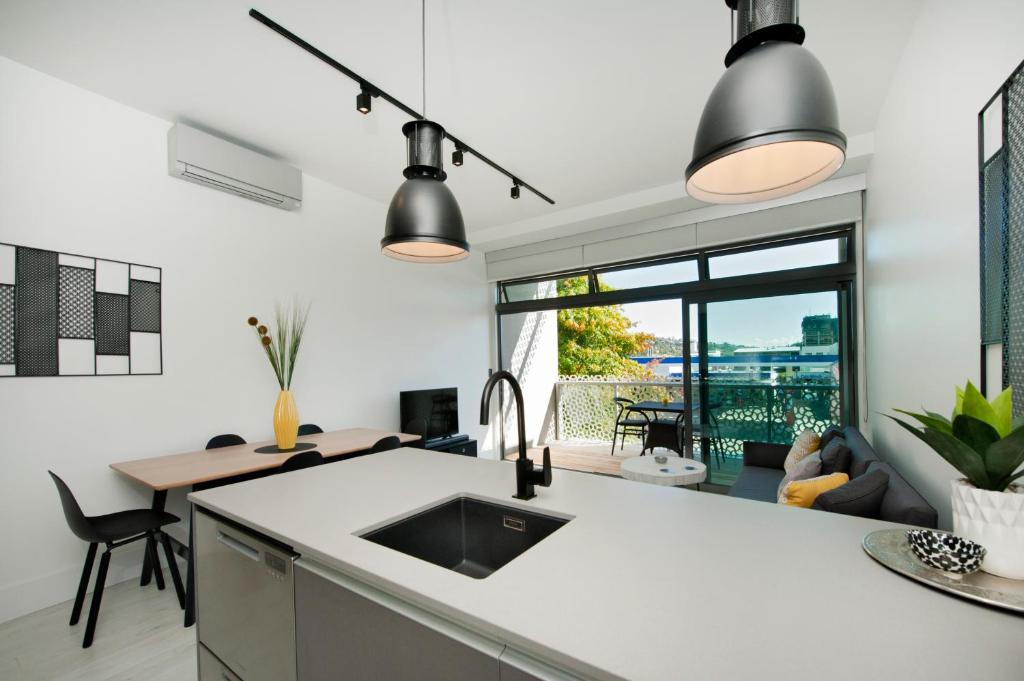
{"x": 111, "y": 324}
{"x": 35, "y": 323}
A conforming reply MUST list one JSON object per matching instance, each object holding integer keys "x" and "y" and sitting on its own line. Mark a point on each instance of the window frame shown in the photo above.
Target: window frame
{"x": 705, "y": 288}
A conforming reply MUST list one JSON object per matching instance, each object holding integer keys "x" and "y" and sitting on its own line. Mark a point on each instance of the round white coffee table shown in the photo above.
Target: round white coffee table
{"x": 676, "y": 471}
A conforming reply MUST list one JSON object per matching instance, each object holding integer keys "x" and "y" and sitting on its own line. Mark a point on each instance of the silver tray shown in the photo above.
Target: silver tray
{"x": 890, "y": 548}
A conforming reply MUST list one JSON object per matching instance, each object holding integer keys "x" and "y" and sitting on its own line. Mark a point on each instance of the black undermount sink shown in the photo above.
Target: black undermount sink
{"x": 467, "y": 535}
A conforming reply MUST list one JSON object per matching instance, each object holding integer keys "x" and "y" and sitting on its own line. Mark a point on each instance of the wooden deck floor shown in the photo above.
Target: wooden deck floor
{"x": 590, "y": 457}
{"x": 572, "y": 459}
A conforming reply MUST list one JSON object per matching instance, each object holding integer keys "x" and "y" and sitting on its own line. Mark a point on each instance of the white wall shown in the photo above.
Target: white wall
{"x": 82, "y": 174}
{"x": 529, "y": 344}
{"x": 921, "y": 242}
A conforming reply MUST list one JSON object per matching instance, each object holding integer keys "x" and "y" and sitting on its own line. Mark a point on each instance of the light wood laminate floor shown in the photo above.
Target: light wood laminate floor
{"x": 139, "y": 637}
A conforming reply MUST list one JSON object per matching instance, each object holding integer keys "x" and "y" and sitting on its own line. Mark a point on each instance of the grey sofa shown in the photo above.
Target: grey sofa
{"x": 762, "y": 472}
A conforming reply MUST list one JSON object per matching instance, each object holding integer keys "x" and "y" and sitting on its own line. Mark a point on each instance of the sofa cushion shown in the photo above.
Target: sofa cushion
{"x": 802, "y": 493}
{"x": 861, "y": 453}
{"x": 830, "y": 432}
{"x": 902, "y": 503}
{"x": 860, "y": 497}
{"x": 806, "y": 443}
{"x": 757, "y": 483}
{"x": 835, "y": 457}
{"x": 807, "y": 468}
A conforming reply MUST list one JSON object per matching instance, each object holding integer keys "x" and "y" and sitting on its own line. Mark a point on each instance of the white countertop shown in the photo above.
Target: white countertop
{"x": 768, "y": 592}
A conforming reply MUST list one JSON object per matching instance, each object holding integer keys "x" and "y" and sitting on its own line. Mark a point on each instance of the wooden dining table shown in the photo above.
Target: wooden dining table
{"x": 212, "y": 467}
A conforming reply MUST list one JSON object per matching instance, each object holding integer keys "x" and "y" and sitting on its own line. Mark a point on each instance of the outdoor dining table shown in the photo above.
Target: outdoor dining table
{"x": 665, "y": 433}
{"x": 211, "y": 467}
{"x": 661, "y": 433}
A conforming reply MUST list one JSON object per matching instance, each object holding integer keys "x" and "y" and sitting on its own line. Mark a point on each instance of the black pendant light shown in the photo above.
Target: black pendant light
{"x": 771, "y": 126}
{"x": 424, "y": 222}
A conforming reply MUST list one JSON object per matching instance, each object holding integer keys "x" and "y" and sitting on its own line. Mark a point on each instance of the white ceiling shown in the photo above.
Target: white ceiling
{"x": 585, "y": 99}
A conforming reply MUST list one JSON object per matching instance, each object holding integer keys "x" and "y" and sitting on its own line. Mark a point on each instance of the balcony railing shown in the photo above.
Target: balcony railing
{"x": 585, "y": 408}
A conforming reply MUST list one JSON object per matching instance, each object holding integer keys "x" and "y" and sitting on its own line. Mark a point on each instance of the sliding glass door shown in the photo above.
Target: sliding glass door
{"x": 767, "y": 368}
{"x": 744, "y": 343}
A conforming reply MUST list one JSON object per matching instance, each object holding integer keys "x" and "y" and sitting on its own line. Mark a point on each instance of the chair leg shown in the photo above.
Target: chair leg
{"x": 154, "y": 559}
{"x": 83, "y": 584}
{"x": 97, "y": 597}
{"x": 172, "y": 566}
{"x": 190, "y": 575}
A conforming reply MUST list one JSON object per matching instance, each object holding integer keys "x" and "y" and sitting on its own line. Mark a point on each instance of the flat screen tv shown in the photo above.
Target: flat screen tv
{"x": 438, "y": 409}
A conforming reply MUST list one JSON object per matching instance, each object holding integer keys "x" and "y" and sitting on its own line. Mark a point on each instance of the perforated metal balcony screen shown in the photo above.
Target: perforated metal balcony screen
{"x": 1001, "y": 175}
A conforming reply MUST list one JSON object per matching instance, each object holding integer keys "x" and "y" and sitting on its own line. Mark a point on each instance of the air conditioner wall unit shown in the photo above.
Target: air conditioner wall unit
{"x": 208, "y": 160}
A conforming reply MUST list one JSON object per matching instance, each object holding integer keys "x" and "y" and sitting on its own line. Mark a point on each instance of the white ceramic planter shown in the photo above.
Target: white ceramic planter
{"x": 996, "y": 521}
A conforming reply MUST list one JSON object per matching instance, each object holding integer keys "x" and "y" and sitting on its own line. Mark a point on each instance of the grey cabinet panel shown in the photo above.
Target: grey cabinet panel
{"x": 212, "y": 669}
{"x": 342, "y": 634}
{"x": 510, "y": 673}
{"x": 244, "y": 605}
{"x": 515, "y": 666}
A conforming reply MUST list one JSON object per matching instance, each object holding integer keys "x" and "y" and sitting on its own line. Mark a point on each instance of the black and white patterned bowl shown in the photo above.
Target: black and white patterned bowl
{"x": 946, "y": 552}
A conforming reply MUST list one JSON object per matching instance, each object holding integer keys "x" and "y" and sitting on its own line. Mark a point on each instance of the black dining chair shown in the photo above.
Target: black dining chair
{"x": 386, "y": 443}
{"x": 417, "y": 427}
{"x": 301, "y": 460}
{"x": 628, "y": 423}
{"x": 227, "y": 440}
{"x": 309, "y": 429}
{"x": 115, "y": 530}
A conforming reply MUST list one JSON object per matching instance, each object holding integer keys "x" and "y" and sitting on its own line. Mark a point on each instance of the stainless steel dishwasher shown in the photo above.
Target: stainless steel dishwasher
{"x": 245, "y": 604}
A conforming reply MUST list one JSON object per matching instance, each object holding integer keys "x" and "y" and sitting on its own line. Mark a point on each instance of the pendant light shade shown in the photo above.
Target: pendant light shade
{"x": 424, "y": 222}
{"x": 770, "y": 127}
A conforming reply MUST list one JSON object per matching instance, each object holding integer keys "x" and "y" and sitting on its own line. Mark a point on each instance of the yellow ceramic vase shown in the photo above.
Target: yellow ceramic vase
{"x": 286, "y": 420}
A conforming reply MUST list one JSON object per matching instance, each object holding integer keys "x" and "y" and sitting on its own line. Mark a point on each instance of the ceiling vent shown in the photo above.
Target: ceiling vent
{"x": 202, "y": 158}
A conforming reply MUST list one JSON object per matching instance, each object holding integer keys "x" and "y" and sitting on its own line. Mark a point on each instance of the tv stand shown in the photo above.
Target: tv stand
{"x": 456, "y": 444}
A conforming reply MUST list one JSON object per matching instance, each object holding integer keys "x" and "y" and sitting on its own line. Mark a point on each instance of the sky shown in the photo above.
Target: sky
{"x": 756, "y": 322}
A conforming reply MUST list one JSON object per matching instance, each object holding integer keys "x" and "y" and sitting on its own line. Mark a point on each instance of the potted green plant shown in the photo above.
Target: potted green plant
{"x": 282, "y": 348}
{"x": 985, "y": 444}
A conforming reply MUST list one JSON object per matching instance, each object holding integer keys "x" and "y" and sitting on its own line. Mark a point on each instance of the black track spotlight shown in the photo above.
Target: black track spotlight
{"x": 457, "y": 157}
{"x": 363, "y": 103}
{"x": 515, "y": 191}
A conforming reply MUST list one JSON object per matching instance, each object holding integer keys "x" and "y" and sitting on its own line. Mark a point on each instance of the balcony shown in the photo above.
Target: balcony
{"x": 580, "y": 419}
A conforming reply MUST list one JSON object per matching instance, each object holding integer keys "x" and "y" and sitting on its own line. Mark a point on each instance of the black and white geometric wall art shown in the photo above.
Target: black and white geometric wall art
{"x": 71, "y": 315}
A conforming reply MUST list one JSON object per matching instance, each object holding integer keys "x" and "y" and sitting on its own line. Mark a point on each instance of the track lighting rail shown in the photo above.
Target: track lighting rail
{"x": 368, "y": 87}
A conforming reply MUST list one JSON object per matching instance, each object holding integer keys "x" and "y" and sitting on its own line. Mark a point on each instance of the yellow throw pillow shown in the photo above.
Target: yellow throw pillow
{"x": 802, "y": 493}
{"x": 805, "y": 444}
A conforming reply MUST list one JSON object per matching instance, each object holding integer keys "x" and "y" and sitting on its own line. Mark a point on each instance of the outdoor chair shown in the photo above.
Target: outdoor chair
{"x": 627, "y": 423}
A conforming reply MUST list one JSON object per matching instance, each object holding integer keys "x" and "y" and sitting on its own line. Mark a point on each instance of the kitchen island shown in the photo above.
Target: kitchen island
{"x": 643, "y": 582}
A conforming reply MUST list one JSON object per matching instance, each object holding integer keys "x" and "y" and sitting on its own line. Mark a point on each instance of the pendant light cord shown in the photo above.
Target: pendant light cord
{"x": 423, "y": 44}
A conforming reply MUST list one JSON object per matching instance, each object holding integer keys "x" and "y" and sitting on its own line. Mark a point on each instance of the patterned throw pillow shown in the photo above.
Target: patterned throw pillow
{"x": 805, "y": 444}
{"x": 809, "y": 467}
{"x": 802, "y": 493}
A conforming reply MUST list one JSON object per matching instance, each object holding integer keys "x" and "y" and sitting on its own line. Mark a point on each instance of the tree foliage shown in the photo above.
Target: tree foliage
{"x": 597, "y": 341}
